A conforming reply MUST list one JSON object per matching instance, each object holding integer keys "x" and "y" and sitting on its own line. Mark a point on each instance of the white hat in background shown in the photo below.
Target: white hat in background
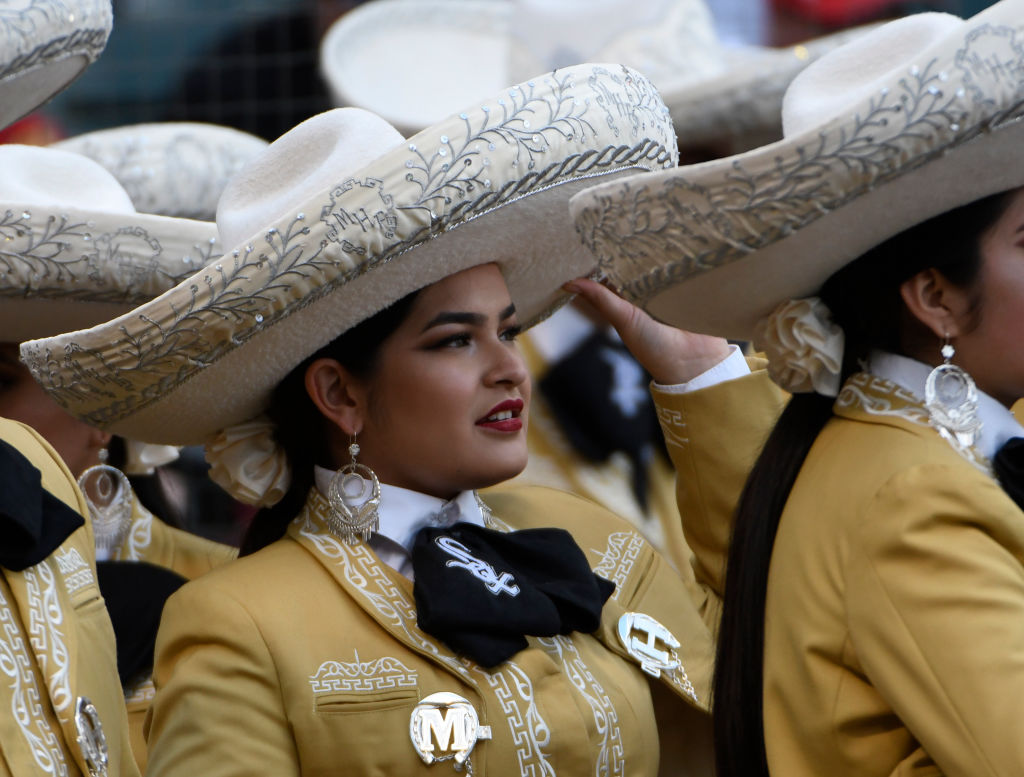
{"x": 170, "y": 169}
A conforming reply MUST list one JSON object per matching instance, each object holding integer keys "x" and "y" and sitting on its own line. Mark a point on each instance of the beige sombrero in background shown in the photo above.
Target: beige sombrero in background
{"x": 44, "y": 46}
{"x": 171, "y": 169}
{"x": 75, "y": 252}
{"x": 913, "y": 119}
{"x": 715, "y": 93}
{"x": 339, "y": 218}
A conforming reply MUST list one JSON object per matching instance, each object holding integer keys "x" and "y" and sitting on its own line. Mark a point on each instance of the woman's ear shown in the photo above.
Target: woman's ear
{"x": 337, "y": 394}
{"x": 937, "y": 303}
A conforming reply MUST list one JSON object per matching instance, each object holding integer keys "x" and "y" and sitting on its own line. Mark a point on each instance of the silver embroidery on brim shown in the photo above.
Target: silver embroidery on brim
{"x": 445, "y": 727}
{"x": 91, "y": 739}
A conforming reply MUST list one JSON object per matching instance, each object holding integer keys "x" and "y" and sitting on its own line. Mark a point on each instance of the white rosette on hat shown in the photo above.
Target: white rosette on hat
{"x": 171, "y": 169}
{"x": 341, "y": 217}
{"x": 906, "y": 122}
{"x": 44, "y": 46}
{"x": 473, "y": 47}
{"x": 74, "y": 252}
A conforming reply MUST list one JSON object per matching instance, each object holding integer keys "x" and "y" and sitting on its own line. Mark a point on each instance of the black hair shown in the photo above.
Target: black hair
{"x": 864, "y": 298}
{"x": 299, "y": 427}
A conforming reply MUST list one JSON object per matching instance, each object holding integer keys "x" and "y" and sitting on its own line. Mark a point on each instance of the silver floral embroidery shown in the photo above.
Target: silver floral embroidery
{"x": 26, "y": 710}
{"x": 45, "y": 619}
{"x": 446, "y": 187}
{"x": 381, "y": 674}
{"x": 24, "y": 21}
{"x": 618, "y": 558}
{"x": 611, "y": 756}
{"x": 703, "y": 227}
{"x": 530, "y": 732}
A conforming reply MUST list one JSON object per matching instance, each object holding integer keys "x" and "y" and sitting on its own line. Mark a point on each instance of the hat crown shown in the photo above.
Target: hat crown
{"x": 48, "y": 177}
{"x": 842, "y": 78}
{"x": 305, "y": 161}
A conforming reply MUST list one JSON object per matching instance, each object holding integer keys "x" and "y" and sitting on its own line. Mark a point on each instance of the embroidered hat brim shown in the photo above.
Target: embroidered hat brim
{"x": 176, "y": 169}
{"x": 488, "y": 184}
{"x": 44, "y": 46}
{"x": 73, "y": 250}
{"x": 906, "y": 122}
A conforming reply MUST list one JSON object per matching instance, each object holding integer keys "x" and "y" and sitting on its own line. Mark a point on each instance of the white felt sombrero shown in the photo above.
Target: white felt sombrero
{"x": 913, "y": 119}
{"x": 341, "y": 217}
{"x": 170, "y": 169}
{"x": 44, "y": 46}
{"x": 473, "y": 47}
{"x": 74, "y": 252}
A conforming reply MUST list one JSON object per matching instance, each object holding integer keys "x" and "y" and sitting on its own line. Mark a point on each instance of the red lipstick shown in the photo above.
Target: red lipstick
{"x": 504, "y": 417}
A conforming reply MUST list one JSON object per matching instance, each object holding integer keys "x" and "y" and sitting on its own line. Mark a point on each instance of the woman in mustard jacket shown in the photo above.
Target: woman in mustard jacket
{"x": 873, "y": 616}
{"x": 351, "y": 366}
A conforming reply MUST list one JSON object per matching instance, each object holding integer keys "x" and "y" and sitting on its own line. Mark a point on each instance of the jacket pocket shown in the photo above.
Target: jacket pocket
{"x": 355, "y": 703}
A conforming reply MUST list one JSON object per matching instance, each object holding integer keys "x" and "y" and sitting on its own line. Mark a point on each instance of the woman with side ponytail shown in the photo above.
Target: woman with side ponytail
{"x": 873, "y": 613}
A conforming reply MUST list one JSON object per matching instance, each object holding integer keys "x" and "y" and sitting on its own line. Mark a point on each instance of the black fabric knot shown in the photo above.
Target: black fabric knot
{"x": 136, "y": 592}
{"x": 33, "y": 522}
{"x": 481, "y": 591}
{"x": 1009, "y": 468}
{"x": 598, "y": 395}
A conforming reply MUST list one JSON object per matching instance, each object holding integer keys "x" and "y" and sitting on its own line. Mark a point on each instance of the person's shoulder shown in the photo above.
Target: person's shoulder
{"x": 56, "y": 477}
{"x": 529, "y": 506}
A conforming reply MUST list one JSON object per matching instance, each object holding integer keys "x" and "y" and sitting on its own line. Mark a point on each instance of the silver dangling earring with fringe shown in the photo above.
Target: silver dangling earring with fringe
{"x": 353, "y": 513}
{"x": 108, "y": 495}
{"x": 952, "y": 401}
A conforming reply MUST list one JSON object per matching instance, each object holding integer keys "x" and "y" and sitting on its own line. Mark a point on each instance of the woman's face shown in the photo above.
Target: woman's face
{"x": 24, "y": 400}
{"x": 992, "y": 352}
{"x": 447, "y": 403}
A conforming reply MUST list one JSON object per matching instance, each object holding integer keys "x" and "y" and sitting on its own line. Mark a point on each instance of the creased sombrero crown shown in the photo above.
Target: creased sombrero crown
{"x": 44, "y": 46}
{"x": 904, "y": 123}
{"x": 341, "y": 217}
{"x": 174, "y": 169}
{"x": 73, "y": 250}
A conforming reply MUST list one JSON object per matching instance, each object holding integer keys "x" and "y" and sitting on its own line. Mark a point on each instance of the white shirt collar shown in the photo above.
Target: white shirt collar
{"x": 997, "y": 423}
{"x": 403, "y": 513}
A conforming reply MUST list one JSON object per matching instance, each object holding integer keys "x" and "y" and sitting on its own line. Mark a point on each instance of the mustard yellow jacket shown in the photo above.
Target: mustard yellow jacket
{"x": 57, "y": 645}
{"x": 305, "y": 658}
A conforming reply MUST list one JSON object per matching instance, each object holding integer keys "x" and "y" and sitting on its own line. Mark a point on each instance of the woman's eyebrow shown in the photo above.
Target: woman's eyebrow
{"x": 452, "y": 317}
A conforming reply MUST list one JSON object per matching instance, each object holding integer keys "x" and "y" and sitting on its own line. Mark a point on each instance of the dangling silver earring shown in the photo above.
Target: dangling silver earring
{"x": 349, "y": 519}
{"x": 108, "y": 494}
{"x": 103, "y": 455}
{"x": 952, "y": 401}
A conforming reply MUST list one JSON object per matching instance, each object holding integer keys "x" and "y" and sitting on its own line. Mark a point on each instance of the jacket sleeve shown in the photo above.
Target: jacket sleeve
{"x": 936, "y": 614}
{"x": 714, "y": 436}
{"x": 218, "y": 711}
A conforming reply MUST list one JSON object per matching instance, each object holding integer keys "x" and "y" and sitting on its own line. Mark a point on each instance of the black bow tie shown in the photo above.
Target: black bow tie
{"x": 1009, "y": 468}
{"x": 480, "y": 591}
{"x": 598, "y": 394}
{"x": 33, "y": 522}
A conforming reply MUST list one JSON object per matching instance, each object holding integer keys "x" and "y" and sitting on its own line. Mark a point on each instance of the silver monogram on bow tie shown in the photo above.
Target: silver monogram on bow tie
{"x": 481, "y": 570}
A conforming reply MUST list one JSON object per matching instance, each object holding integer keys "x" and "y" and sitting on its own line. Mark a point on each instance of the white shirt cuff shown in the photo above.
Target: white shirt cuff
{"x": 731, "y": 367}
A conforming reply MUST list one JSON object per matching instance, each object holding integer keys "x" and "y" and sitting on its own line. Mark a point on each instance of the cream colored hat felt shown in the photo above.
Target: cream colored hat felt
{"x": 173, "y": 169}
{"x": 906, "y": 122}
{"x": 73, "y": 250}
{"x": 341, "y": 217}
{"x": 443, "y": 54}
{"x": 44, "y": 46}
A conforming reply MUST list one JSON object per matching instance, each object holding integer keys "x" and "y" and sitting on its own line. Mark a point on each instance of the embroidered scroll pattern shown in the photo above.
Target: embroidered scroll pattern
{"x": 26, "y": 709}
{"x": 610, "y": 759}
{"x": 530, "y": 732}
{"x": 618, "y": 558}
{"x": 383, "y": 674}
{"x": 45, "y": 620}
{"x": 673, "y": 427}
{"x": 140, "y": 535}
{"x": 75, "y": 569}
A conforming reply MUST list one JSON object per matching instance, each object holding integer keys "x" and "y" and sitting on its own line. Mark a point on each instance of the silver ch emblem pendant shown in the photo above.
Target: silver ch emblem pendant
{"x": 91, "y": 739}
{"x": 444, "y": 726}
{"x": 649, "y": 643}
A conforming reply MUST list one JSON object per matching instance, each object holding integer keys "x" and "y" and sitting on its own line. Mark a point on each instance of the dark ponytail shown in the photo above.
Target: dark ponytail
{"x": 865, "y": 301}
{"x": 302, "y": 431}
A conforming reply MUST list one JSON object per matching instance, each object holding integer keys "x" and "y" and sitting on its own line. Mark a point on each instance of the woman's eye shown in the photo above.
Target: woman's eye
{"x": 511, "y": 333}
{"x": 454, "y": 341}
